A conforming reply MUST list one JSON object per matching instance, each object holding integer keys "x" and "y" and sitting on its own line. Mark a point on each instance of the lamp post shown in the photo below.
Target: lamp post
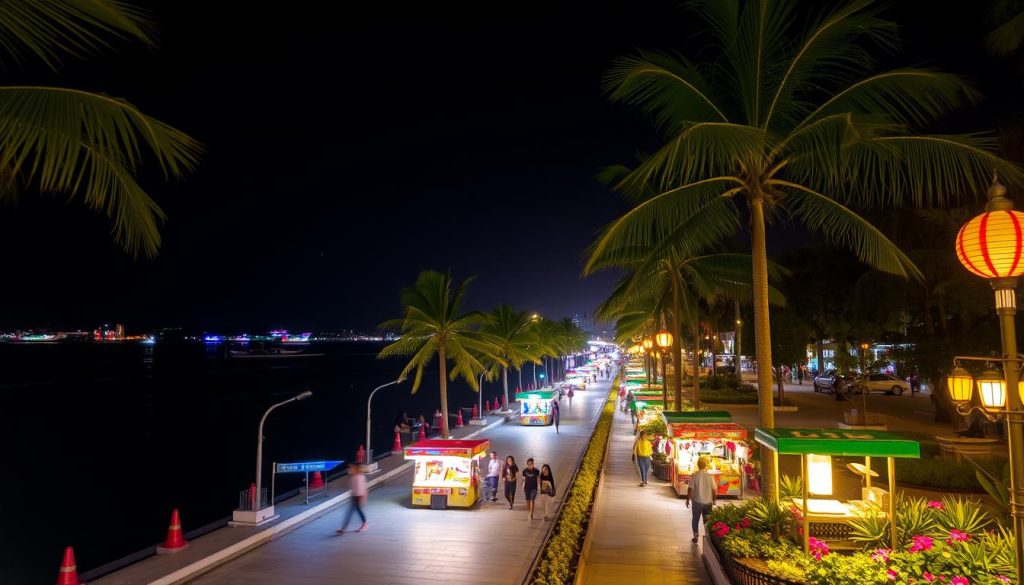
{"x": 663, "y": 339}
{"x": 648, "y": 343}
{"x": 990, "y": 246}
{"x": 260, "y": 514}
{"x": 371, "y": 465}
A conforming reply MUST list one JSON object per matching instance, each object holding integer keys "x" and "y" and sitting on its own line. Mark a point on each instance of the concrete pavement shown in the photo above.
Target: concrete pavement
{"x": 488, "y": 544}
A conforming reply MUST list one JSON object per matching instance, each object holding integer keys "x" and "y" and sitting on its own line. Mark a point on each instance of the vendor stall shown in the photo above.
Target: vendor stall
{"x": 535, "y": 408}
{"x": 446, "y": 472}
{"x": 711, "y": 435}
{"x": 816, "y": 447}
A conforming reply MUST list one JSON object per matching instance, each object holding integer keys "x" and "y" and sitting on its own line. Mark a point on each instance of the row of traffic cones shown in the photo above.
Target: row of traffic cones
{"x": 174, "y": 542}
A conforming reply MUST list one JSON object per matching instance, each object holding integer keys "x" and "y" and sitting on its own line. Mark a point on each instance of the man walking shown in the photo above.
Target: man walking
{"x": 702, "y": 494}
{"x": 493, "y": 473}
{"x": 357, "y": 485}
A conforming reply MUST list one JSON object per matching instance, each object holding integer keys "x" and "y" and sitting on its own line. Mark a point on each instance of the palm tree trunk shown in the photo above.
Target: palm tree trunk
{"x": 520, "y": 386}
{"x": 504, "y": 380}
{"x": 696, "y": 363}
{"x": 763, "y": 344}
{"x": 736, "y": 341}
{"x": 444, "y": 392}
{"x": 677, "y": 352}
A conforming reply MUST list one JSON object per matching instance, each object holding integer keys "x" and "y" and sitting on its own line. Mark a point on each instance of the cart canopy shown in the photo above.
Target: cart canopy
{"x": 853, "y": 443}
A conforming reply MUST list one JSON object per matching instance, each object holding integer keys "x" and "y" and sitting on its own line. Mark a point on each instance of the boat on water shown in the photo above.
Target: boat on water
{"x": 271, "y": 353}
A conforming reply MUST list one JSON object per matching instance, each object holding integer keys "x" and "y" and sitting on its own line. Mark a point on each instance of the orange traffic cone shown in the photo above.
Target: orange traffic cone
{"x": 68, "y": 571}
{"x": 458, "y": 420}
{"x": 317, "y": 482}
{"x": 476, "y": 413}
{"x": 397, "y": 447}
{"x": 175, "y": 539}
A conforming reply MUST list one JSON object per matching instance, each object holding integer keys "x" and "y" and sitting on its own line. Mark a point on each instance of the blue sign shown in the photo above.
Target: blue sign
{"x": 307, "y": 466}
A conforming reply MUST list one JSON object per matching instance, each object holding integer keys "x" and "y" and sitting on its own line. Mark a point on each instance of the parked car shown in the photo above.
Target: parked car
{"x": 883, "y": 383}
{"x": 826, "y": 381}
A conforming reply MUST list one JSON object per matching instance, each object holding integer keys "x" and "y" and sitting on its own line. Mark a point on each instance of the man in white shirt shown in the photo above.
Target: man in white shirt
{"x": 702, "y": 491}
{"x": 493, "y": 473}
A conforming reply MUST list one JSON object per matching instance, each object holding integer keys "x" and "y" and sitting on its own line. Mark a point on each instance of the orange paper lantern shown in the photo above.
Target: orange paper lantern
{"x": 990, "y": 244}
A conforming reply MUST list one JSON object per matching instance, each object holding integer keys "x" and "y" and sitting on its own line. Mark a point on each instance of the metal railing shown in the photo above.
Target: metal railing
{"x": 247, "y": 499}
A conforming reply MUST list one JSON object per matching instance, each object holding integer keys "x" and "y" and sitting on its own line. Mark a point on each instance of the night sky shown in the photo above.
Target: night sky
{"x": 348, "y": 150}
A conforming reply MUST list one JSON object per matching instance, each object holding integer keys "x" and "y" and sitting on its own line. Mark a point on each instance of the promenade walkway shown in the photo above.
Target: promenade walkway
{"x": 488, "y": 544}
{"x": 639, "y": 535}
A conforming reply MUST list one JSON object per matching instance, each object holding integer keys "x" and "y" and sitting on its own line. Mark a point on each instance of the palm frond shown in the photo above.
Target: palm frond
{"x": 1008, "y": 36}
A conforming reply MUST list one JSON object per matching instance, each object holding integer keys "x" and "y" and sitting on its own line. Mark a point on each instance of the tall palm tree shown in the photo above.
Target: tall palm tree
{"x": 512, "y": 331}
{"x": 790, "y": 123}
{"x": 433, "y": 324}
{"x": 78, "y": 144}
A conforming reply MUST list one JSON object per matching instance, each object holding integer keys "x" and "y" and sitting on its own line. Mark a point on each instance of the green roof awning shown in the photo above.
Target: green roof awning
{"x": 852, "y": 443}
{"x": 539, "y": 394}
{"x": 641, "y": 403}
{"x": 696, "y": 416}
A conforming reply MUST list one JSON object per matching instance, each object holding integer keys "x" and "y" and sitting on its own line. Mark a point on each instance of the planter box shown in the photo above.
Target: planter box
{"x": 661, "y": 471}
{"x": 740, "y": 574}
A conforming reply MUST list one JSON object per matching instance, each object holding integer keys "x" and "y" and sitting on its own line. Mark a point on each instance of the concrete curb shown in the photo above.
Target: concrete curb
{"x": 224, "y": 555}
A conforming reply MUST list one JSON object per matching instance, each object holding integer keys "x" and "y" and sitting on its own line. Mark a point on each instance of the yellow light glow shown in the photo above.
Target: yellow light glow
{"x": 663, "y": 339}
{"x": 819, "y": 474}
{"x": 961, "y": 385}
{"x": 648, "y": 343}
{"x": 992, "y": 387}
{"x": 990, "y": 244}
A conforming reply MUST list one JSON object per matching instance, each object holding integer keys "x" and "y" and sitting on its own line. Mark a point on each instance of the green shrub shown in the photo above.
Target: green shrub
{"x": 772, "y": 517}
{"x": 857, "y": 569}
{"x": 946, "y": 473}
{"x": 962, "y": 514}
{"x": 791, "y": 487}
{"x": 654, "y": 425}
{"x": 787, "y": 569}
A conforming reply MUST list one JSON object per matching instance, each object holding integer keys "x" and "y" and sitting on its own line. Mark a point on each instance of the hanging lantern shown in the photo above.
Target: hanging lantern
{"x": 819, "y": 474}
{"x": 990, "y": 244}
{"x": 648, "y": 343}
{"x": 663, "y": 339}
{"x": 992, "y": 388}
{"x": 961, "y": 385}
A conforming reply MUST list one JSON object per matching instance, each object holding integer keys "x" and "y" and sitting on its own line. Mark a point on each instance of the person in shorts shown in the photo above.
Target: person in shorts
{"x": 531, "y": 482}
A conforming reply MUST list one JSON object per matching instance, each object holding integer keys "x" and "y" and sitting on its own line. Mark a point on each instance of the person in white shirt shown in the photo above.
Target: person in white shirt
{"x": 702, "y": 491}
{"x": 493, "y": 473}
{"x": 357, "y": 485}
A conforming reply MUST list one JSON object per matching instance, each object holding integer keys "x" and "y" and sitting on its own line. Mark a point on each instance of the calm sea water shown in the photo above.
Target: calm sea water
{"x": 100, "y": 441}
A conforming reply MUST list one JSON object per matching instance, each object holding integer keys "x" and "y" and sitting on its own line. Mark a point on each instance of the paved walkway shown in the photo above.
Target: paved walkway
{"x": 639, "y": 535}
{"x": 485, "y": 545}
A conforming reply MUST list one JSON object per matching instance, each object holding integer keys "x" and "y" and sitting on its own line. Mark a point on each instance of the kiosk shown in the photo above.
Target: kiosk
{"x": 535, "y": 408}
{"x": 446, "y": 472}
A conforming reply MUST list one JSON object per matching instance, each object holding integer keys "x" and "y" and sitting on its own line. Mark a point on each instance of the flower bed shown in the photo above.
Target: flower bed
{"x": 561, "y": 552}
{"x": 948, "y": 542}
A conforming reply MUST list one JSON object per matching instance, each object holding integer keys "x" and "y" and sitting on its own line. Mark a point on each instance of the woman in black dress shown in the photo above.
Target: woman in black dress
{"x": 547, "y": 489}
{"x": 511, "y": 473}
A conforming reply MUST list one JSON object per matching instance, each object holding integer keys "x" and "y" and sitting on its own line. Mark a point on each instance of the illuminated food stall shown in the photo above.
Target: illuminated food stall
{"x": 648, "y": 406}
{"x": 535, "y": 408}
{"x": 446, "y": 472}
{"x": 712, "y": 435}
{"x": 816, "y": 447}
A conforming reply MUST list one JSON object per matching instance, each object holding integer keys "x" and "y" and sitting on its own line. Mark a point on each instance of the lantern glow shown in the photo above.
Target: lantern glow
{"x": 663, "y": 339}
{"x": 990, "y": 244}
{"x": 992, "y": 387}
{"x": 961, "y": 385}
{"x": 819, "y": 474}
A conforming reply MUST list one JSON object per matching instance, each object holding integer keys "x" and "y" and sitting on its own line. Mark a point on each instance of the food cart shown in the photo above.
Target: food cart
{"x": 648, "y": 406}
{"x": 816, "y": 447}
{"x": 535, "y": 408}
{"x": 446, "y": 472}
{"x": 710, "y": 434}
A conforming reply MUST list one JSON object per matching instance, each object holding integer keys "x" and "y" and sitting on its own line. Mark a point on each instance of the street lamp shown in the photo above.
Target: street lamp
{"x": 990, "y": 246}
{"x": 663, "y": 339}
{"x": 371, "y": 465}
{"x": 260, "y": 514}
{"x": 648, "y": 343}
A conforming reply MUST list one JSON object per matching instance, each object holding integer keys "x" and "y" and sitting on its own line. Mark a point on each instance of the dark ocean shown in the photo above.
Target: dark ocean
{"x": 101, "y": 441}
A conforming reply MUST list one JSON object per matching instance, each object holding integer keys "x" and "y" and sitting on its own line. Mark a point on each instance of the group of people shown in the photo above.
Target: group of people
{"x": 536, "y": 482}
{"x": 799, "y": 373}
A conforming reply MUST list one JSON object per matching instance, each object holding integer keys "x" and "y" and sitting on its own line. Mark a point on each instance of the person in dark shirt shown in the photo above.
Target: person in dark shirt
{"x": 530, "y": 475}
{"x": 510, "y": 472}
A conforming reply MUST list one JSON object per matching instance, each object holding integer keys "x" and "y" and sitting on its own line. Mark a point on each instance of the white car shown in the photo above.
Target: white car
{"x": 883, "y": 383}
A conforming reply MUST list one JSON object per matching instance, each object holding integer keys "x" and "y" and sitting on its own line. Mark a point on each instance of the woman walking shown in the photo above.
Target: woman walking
{"x": 358, "y": 486}
{"x": 555, "y": 414}
{"x": 571, "y": 394}
{"x": 510, "y": 472}
{"x": 530, "y": 484}
{"x": 547, "y": 489}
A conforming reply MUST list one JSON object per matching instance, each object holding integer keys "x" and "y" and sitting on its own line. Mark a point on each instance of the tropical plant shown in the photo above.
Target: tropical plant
{"x": 512, "y": 332}
{"x": 1007, "y": 37}
{"x": 963, "y": 514}
{"x": 997, "y": 489}
{"x": 773, "y": 517}
{"x": 433, "y": 324}
{"x": 78, "y": 144}
{"x": 871, "y": 527}
{"x": 791, "y": 487}
{"x": 794, "y": 124}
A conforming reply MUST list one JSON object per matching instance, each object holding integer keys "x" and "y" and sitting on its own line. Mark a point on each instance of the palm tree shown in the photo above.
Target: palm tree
{"x": 790, "y": 124}
{"x": 1008, "y": 36}
{"x": 512, "y": 332}
{"x": 434, "y": 325}
{"x": 80, "y": 144}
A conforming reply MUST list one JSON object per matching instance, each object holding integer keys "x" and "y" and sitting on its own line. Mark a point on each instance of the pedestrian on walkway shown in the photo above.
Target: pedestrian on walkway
{"x": 701, "y": 493}
{"x": 437, "y": 419}
{"x": 642, "y": 450}
{"x": 571, "y": 394}
{"x": 555, "y": 414}
{"x": 800, "y": 374}
{"x": 493, "y": 474}
{"x": 547, "y": 489}
{"x": 622, "y": 399}
{"x": 530, "y": 484}
{"x": 357, "y": 486}
{"x": 424, "y": 425}
{"x": 511, "y": 473}
{"x": 631, "y": 399}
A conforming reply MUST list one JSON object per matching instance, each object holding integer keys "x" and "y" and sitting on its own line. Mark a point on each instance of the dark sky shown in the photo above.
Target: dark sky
{"x": 348, "y": 150}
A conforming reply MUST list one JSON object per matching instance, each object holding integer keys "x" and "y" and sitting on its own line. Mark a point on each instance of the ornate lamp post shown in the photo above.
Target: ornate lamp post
{"x": 990, "y": 245}
{"x": 648, "y": 343}
{"x": 663, "y": 339}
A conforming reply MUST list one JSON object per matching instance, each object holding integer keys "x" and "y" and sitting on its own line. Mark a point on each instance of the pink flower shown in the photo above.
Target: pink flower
{"x": 935, "y": 504}
{"x": 922, "y": 543}
{"x": 745, "y": 523}
{"x": 1003, "y": 578}
{"x": 817, "y": 548}
{"x": 720, "y": 529}
{"x": 881, "y": 555}
{"x": 959, "y": 581}
{"x": 892, "y": 575}
{"x": 957, "y": 536}
{"x": 928, "y": 577}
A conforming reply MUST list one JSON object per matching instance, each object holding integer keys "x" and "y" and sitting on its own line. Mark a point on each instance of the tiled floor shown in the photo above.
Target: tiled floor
{"x": 486, "y": 545}
{"x": 641, "y": 535}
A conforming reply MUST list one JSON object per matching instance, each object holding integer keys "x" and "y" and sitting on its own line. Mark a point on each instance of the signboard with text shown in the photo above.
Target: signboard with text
{"x": 307, "y": 466}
